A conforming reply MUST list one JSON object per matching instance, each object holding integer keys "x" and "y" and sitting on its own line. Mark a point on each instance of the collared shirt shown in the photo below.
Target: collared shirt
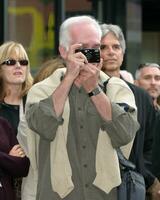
{"x": 83, "y": 129}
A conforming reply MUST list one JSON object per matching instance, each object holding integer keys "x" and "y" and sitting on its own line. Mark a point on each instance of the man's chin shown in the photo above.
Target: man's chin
{"x": 110, "y": 68}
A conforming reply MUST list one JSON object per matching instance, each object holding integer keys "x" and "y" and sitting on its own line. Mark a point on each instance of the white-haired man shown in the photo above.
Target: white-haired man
{"x": 76, "y": 126}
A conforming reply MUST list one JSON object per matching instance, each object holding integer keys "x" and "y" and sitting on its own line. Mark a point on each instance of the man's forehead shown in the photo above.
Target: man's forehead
{"x": 152, "y": 71}
{"x": 110, "y": 42}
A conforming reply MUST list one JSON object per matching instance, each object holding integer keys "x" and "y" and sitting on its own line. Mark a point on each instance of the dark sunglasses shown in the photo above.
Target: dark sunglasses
{"x": 11, "y": 62}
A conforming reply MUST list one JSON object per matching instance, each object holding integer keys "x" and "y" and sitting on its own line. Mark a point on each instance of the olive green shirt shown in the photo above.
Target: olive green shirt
{"x": 83, "y": 128}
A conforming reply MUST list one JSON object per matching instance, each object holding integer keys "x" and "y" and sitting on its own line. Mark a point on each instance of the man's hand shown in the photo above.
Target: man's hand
{"x": 83, "y": 73}
{"x": 74, "y": 61}
{"x": 154, "y": 190}
{"x": 89, "y": 76}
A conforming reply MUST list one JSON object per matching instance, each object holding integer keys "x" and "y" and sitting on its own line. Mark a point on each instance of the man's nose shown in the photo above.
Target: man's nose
{"x": 110, "y": 50}
{"x": 153, "y": 81}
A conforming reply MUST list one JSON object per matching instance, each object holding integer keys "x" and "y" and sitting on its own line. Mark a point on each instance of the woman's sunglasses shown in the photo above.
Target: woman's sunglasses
{"x": 11, "y": 62}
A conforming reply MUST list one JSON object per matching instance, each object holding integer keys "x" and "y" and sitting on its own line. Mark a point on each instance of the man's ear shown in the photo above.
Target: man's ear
{"x": 136, "y": 82}
{"x": 63, "y": 52}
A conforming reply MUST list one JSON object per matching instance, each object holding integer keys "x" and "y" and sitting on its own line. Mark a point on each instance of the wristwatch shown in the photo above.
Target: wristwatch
{"x": 94, "y": 92}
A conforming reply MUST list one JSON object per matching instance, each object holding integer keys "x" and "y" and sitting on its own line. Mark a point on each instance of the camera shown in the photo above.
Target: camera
{"x": 92, "y": 55}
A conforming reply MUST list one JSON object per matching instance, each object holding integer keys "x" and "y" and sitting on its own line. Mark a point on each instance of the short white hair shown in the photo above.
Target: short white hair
{"x": 64, "y": 34}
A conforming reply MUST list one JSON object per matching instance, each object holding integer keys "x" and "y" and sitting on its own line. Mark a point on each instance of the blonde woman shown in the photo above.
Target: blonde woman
{"x": 15, "y": 81}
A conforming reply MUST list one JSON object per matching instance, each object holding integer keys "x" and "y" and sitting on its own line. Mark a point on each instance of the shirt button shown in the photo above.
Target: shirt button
{"x": 84, "y": 146}
{"x": 85, "y": 165}
{"x": 86, "y": 185}
{"x": 81, "y": 126}
{"x": 79, "y": 109}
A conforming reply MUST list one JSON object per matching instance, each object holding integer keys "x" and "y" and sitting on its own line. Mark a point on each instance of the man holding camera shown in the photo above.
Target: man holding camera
{"x": 75, "y": 125}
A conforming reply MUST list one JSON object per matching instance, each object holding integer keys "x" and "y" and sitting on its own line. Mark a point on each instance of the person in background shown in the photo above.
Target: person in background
{"x": 112, "y": 52}
{"x": 13, "y": 162}
{"x": 47, "y": 68}
{"x": 147, "y": 76}
{"x": 81, "y": 127}
{"x": 127, "y": 76}
{"x": 15, "y": 81}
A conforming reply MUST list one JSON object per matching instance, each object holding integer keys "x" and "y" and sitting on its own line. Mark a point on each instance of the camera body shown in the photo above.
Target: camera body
{"x": 92, "y": 55}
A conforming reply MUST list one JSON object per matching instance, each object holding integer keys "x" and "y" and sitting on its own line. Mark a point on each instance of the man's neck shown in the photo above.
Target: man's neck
{"x": 112, "y": 73}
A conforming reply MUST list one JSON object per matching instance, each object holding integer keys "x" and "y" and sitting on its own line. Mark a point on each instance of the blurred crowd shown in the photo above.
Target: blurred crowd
{"x": 61, "y": 128}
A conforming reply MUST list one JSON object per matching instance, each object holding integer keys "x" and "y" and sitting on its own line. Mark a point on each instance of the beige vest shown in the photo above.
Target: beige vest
{"x": 107, "y": 165}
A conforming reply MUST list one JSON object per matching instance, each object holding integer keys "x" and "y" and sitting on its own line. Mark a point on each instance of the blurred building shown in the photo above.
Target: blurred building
{"x": 35, "y": 23}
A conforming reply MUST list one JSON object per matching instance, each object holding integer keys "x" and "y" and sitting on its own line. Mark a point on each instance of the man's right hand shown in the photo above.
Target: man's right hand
{"x": 154, "y": 190}
{"x": 75, "y": 61}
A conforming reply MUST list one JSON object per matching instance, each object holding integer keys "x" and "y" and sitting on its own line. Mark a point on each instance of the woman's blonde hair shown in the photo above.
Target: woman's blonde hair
{"x": 6, "y": 50}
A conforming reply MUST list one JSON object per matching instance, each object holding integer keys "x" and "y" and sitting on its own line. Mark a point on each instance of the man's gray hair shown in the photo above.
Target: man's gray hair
{"x": 64, "y": 34}
{"x": 117, "y": 31}
{"x": 141, "y": 66}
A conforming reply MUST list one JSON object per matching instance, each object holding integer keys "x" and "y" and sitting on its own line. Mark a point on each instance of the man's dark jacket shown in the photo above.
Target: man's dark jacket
{"x": 156, "y": 147}
{"x": 142, "y": 146}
